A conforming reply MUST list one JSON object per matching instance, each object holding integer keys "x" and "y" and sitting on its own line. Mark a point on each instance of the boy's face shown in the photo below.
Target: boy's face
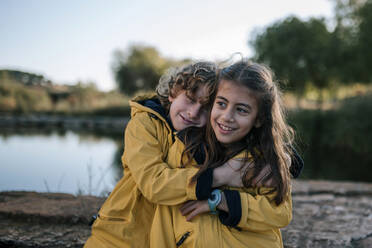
{"x": 188, "y": 111}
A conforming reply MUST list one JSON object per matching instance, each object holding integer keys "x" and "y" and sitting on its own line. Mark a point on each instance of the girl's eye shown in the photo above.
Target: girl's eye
{"x": 242, "y": 110}
{"x": 221, "y": 104}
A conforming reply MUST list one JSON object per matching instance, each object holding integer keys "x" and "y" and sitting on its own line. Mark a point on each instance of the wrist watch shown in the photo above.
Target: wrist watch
{"x": 214, "y": 200}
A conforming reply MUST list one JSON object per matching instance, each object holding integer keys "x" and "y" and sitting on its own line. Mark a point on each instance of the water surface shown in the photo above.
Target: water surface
{"x": 58, "y": 162}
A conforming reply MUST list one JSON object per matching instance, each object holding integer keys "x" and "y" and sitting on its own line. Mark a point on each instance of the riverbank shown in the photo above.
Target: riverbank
{"x": 325, "y": 214}
{"x": 114, "y": 124}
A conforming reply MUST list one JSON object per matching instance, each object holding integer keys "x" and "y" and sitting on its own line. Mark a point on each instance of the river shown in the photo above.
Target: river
{"x": 77, "y": 162}
{"x": 59, "y": 161}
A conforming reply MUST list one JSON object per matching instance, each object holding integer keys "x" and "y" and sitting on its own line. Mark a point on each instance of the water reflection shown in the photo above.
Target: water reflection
{"x": 50, "y": 160}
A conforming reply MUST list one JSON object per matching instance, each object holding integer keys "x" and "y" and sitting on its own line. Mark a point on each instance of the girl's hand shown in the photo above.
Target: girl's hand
{"x": 193, "y": 208}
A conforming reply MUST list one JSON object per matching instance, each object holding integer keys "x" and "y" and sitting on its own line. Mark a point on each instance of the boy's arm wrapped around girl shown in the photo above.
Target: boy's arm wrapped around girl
{"x": 255, "y": 210}
{"x": 156, "y": 180}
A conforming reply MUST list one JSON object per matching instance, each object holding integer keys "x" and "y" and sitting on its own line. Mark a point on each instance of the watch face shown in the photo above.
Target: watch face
{"x": 214, "y": 200}
{"x": 215, "y": 197}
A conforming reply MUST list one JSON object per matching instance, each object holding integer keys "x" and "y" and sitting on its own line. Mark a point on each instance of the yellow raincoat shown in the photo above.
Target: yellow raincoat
{"x": 257, "y": 225}
{"x": 126, "y": 216}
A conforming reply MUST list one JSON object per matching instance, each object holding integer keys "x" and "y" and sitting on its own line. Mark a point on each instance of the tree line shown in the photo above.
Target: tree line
{"x": 306, "y": 52}
{"x": 301, "y": 53}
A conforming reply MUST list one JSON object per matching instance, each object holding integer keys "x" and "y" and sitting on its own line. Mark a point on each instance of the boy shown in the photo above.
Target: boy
{"x": 125, "y": 218}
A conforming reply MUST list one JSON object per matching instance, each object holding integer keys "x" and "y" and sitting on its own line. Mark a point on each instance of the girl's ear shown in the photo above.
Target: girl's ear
{"x": 170, "y": 98}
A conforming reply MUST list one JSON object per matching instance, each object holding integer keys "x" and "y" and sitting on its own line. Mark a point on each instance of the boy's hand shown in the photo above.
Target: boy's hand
{"x": 230, "y": 173}
{"x": 263, "y": 179}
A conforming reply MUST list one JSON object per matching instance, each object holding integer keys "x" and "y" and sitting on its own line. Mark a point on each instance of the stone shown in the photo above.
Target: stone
{"x": 325, "y": 214}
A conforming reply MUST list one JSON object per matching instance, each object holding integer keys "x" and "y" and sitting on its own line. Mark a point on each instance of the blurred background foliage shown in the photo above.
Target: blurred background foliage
{"x": 19, "y": 95}
{"x": 336, "y": 143}
{"x": 323, "y": 65}
{"x": 306, "y": 53}
{"x": 140, "y": 67}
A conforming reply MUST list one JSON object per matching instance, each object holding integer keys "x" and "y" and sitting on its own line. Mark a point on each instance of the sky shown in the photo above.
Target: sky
{"x": 74, "y": 40}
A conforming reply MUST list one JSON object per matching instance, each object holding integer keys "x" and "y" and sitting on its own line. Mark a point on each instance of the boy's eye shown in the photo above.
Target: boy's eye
{"x": 191, "y": 100}
{"x": 204, "y": 109}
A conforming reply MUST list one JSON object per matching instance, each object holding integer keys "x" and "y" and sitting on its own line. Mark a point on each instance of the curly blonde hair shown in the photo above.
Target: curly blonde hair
{"x": 189, "y": 78}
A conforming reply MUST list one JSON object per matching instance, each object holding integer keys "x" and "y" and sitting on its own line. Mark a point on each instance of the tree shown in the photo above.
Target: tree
{"x": 364, "y": 15}
{"x": 348, "y": 54}
{"x": 25, "y": 78}
{"x": 297, "y": 51}
{"x": 346, "y": 13}
{"x": 139, "y": 68}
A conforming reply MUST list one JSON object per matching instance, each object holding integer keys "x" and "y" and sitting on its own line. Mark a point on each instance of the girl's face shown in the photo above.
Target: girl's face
{"x": 186, "y": 111}
{"x": 234, "y": 112}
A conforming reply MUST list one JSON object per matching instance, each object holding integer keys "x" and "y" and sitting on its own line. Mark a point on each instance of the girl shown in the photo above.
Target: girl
{"x": 125, "y": 218}
{"x": 246, "y": 123}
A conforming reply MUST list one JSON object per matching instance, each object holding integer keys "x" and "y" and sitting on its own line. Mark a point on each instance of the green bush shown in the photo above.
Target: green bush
{"x": 15, "y": 97}
{"x": 336, "y": 143}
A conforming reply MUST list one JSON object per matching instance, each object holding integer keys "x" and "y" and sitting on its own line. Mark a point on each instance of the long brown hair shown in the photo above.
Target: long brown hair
{"x": 269, "y": 144}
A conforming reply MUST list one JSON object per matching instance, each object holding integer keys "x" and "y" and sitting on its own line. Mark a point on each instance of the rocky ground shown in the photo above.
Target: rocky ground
{"x": 330, "y": 214}
{"x": 325, "y": 214}
{"x": 29, "y": 219}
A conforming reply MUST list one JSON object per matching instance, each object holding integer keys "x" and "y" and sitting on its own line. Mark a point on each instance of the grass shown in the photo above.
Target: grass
{"x": 332, "y": 97}
{"x": 16, "y": 98}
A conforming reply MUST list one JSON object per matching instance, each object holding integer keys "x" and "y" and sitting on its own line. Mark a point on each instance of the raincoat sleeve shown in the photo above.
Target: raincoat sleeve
{"x": 256, "y": 212}
{"x": 144, "y": 155}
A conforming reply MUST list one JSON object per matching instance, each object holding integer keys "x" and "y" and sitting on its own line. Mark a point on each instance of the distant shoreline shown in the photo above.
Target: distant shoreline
{"x": 114, "y": 124}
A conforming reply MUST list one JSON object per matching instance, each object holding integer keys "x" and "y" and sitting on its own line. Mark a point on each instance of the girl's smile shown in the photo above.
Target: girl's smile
{"x": 224, "y": 128}
{"x": 234, "y": 112}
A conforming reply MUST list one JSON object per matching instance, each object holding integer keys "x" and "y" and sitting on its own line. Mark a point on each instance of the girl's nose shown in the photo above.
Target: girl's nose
{"x": 228, "y": 116}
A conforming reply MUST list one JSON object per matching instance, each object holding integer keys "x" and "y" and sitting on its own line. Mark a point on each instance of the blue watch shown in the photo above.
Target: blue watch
{"x": 214, "y": 200}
